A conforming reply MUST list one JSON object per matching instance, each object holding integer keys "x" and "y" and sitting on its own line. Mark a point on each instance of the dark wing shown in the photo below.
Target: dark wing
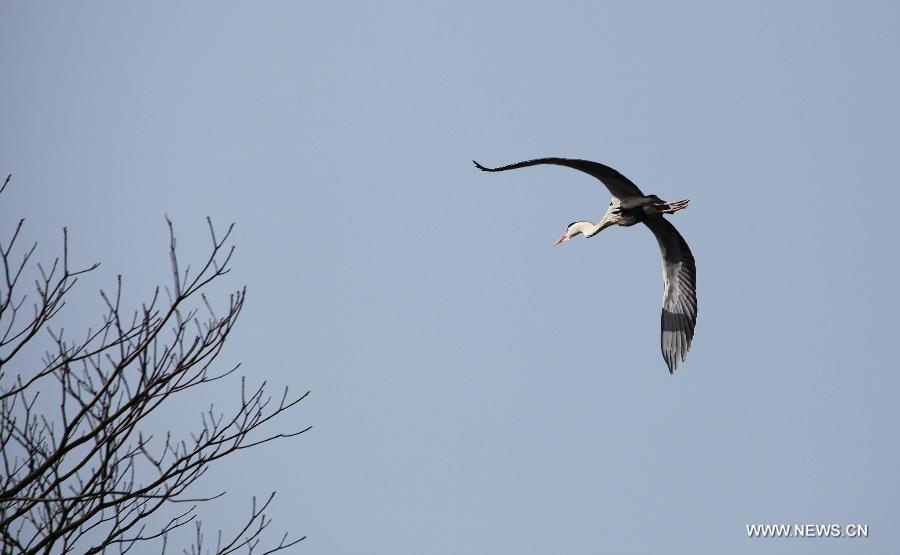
{"x": 679, "y": 311}
{"x": 619, "y": 186}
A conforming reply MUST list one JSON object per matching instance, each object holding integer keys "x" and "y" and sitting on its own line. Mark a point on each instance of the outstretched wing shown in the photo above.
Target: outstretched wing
{"x": 679, "y": 310}
{"x": 619, "y": 186}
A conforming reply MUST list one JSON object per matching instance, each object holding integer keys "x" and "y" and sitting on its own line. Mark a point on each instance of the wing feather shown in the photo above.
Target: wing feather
{"x": 679, "y": 310}
{"x": 619, "y": 186}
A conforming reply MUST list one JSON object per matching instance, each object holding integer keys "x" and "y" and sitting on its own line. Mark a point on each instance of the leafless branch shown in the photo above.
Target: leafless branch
{"x": 86, "y": 475}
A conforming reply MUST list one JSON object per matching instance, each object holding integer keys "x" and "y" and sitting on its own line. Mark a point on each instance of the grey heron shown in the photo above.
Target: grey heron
{"x": 628, "y": 207}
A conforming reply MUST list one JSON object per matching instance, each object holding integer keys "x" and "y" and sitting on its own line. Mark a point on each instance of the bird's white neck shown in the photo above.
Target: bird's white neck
{"x": 590, "y": 229}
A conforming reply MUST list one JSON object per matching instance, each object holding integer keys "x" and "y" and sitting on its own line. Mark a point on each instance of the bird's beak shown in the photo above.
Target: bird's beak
{"x": 560, "y": 240}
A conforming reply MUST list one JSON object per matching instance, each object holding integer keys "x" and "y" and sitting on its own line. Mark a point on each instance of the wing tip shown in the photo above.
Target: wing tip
{"x": 480, "y": 167}
{"x": 672, "y": 363}
{"x": 675, "y": 357}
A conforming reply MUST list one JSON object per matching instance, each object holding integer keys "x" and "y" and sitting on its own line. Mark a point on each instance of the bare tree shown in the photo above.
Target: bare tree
{"x": 80, "y": 470}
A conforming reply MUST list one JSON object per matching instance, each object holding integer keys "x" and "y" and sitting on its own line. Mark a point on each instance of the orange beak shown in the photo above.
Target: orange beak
{"x": 560, "y": 240}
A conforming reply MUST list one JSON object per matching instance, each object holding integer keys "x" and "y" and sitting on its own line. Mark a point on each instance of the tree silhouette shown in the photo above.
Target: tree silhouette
{"x": 82, "y": 469}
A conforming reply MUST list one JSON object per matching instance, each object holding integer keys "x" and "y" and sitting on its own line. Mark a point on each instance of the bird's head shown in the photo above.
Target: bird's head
{"x": 574, "y": 228}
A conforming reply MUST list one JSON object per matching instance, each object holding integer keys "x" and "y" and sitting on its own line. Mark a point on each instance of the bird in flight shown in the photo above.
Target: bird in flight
{"x": 628, "y": 207}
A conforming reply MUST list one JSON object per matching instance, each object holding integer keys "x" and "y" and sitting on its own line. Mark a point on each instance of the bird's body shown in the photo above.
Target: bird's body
{"x": 629, "y": 206}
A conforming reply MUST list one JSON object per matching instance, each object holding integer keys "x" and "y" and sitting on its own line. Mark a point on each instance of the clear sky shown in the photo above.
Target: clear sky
{"x": 475, "y": 390}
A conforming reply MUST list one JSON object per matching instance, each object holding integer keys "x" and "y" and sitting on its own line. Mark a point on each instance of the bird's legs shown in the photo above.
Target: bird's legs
{"x": 671, "y": 207}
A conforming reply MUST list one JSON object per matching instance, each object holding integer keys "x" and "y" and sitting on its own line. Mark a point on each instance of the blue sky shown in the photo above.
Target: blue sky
{"x": 475, "y": 390}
